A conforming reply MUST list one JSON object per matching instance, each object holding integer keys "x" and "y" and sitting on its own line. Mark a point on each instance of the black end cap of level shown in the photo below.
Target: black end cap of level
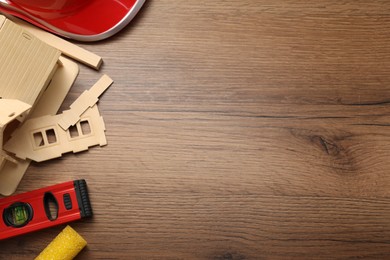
{"x": 83, "y": 198}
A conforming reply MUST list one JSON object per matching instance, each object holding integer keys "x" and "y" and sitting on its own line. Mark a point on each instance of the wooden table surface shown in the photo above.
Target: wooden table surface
{"x": 251, "y": 129}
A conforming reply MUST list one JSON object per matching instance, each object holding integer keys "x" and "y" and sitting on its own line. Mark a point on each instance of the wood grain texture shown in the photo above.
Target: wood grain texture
{"x": 236, "y": 130}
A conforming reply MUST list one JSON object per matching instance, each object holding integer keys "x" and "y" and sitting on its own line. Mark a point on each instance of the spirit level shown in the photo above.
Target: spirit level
{"x": 43, "y": 208}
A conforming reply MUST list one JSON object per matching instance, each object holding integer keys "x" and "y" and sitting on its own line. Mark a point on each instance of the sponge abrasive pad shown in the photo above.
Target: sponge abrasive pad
{"x": 65, "y": 246}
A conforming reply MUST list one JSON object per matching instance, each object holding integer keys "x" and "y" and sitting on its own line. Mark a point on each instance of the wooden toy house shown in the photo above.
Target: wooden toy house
{"x": 35, "y": 77}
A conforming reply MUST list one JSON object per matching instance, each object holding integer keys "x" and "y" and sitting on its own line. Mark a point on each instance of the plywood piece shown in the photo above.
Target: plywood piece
{"x": 45, "y": 138}
{"x": 11, "y": 109}
{"x": 2, "y": 19}
{"x": 4, "y": 157}
{"x": 40, "y": 139}
{"x": 55, "y": 94}
{"x": 69, "y": 49}
{"x": 62, "y": 81}
{"x": 27, "y": 64}
{"x": 86, "y": 100}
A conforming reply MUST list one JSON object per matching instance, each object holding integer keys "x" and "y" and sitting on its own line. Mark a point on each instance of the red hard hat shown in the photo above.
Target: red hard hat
{"x": 84, "y": 20}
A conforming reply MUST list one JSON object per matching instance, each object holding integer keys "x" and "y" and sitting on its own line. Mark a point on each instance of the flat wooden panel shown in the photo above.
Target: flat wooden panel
{"x": 236, "y": 130}
{"x": 26, "y": 65}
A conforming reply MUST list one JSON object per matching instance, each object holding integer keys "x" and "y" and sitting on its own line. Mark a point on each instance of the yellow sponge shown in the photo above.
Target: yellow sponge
{"x": 65, "y": 246}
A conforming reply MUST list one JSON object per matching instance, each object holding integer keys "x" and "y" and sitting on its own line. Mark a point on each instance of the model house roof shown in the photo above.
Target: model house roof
{"x": 27, "y": 63}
